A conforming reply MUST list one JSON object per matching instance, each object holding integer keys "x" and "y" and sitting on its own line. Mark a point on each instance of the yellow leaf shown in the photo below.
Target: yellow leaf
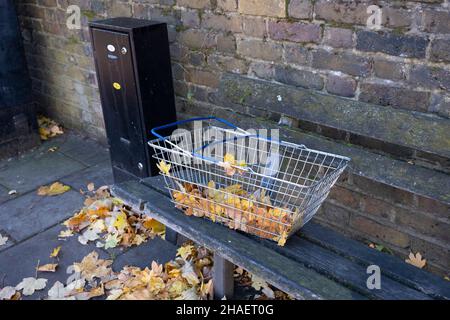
{"x": 416, "y": 260}
{"x": 229, "y": 158}
{"x": 185, "y": 251}
{"x": 50, "y": 267}
{"x": 53, "y": 190}
{"x": 154, "y": 226}
{"x": 282, "y": 239}
{"x": 163, "y": 167}
{"x": 121, "y": 221}
{"x": 65, "y": 233}
{"x": 55, "y": 252}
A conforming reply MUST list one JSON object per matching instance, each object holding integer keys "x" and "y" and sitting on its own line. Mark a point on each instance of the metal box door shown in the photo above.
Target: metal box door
{"x": 118, "y": 91}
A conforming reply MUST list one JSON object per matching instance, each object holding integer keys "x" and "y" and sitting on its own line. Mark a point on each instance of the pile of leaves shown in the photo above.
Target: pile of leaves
{"x": 187, "y": 277}
{"x": 235, "y": 207}
{"x": 109, "y": 222}
{"x": 48, "y": 128}
{"x": 263, "y": 290}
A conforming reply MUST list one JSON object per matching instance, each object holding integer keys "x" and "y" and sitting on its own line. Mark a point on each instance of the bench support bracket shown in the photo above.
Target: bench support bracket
{"x": 223, "y": 278}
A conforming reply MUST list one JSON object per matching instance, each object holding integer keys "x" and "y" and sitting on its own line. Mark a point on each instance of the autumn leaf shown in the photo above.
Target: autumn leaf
{"x": 30, "y": 285}
{"x": 50, "y": 267}
{"x": 258, "y": 283}
{"x": 416, "y": 260}
{"x": 121, "y": 221}
{"x": 54, "y": 189}
{"x": 111, "y": 241}
{"x": 3, "y": 240}
{"x": 154, "y": 226}
{"x": 91, "y": 187}
{"x": 55, "y": 252}
{"x": 7, "y": 293}
{"x": 185, "y": 251}
{"x": 65, "y": 233}
{"x": 163, "y": 167}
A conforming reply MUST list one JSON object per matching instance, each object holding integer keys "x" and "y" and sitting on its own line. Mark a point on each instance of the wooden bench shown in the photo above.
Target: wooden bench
{"x": 317, "y": 263}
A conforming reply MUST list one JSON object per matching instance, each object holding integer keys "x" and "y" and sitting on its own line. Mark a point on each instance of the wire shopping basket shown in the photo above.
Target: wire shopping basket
{"x": 247, "y": 181}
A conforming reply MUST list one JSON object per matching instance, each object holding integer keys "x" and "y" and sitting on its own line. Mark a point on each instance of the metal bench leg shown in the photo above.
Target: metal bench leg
{"x": 223, "y": 278}
{"x": 171, "y": 236}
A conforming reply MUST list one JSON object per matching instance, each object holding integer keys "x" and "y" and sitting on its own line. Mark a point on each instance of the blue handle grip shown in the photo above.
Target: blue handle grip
{"x": 173, "y": 124}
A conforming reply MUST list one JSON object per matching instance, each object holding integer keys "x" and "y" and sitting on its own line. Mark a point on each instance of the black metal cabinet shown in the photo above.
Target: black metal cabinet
{"x": 135, "y": 81}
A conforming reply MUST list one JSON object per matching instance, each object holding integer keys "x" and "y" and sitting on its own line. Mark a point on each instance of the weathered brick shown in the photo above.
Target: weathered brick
{"x": 296, "y": 32}
{"x": 397, "y": 17}
{"x": 393, "y": 44}
{"x": 195, "y": 4}
{"x": 430, "y": 77}
{"x": 345, "y": 62}
{"x": 297, "y": 54}
{"x": 338, "y": 37}
{"x": 262, "y": 70}
{"x": 333, "y": 214}
{"x": 226, "y": 43}
{"x": 440, "y": 104}
{"x": 300, "y": 9}
{"x": 203, "y": 77}
{"x": 119, "y": 9}
{"x": 345, "y": 197}
{"x": 254, "y": 26}
{"x": 378, "y": 208}
{"x": 341, "y": 85}
{"x": 440, "y": 50}
{"x": 271, "y": 8}
{"x": 298, "y": 78}
{"x": 190, "y": 18}
{"x": 351, "y": 12}
{"x": 221, "y": 22}
{"x": 388, "y": 95}
{"x": 379, "y": 231}
{"x": 392, "y": 70}
{"x": 260, "y": 49}
{"x": 228, "y": 64}
{"x": 436, "y": 21}
{"x": 227, "y": 5}
{"x": 197, "y": 39}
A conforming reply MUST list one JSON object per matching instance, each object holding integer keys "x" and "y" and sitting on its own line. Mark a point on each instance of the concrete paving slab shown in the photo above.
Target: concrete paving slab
{"x": 99, "y": 174}
{"x": 30, "y": 213}
{"x": 20, "y": 261}
{"x": 28, "y": 173}
{"x": 85, "y": 150}
{"x": 142, "y": 256}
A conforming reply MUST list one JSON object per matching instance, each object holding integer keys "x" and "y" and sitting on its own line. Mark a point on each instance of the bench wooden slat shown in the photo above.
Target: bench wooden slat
{"x": 286, "y": 274}
{"x": 392, "y": 266}
{"x": 343, "y": 270}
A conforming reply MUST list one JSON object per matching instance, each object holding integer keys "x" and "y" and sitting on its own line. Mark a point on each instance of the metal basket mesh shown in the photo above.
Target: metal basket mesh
{"x": 271, "y": 191}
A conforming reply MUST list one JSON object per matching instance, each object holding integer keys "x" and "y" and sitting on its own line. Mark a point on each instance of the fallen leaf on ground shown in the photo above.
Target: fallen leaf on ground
{"x": 54, "y": 189}
{"x": 50, "y": 267}
{"x": 48, "y": 128}
{"x": 3, "y": 240}
{"x": 91, "y": 187}
{"x": 55, "y": 252}
{"x": 185, "y": 251}
{"x": 30, "y": 285}
{"x": 416, "y": 260}
{"x": 65, "y": 234}
{"x": 7, "y": 293}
